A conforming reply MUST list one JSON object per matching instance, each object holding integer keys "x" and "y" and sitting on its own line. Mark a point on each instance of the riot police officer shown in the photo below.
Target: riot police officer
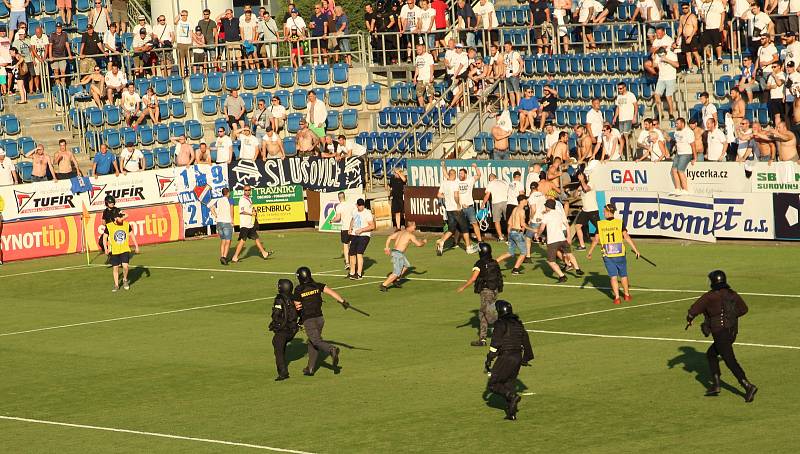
{"x": 721, "y": 307}
{"x": 308, "y": 300}
{"x": 488, "y": 282}
{"x": 512, "y": 348}
{"x": 284, "y": 325}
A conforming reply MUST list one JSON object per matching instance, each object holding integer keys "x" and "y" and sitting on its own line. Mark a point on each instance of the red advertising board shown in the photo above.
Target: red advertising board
{"x": 151, "y": 225}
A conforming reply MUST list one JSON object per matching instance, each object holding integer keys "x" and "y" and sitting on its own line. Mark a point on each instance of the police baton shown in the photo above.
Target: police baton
{"x": 347, "y": 305}
{"x": 646, "y": 259}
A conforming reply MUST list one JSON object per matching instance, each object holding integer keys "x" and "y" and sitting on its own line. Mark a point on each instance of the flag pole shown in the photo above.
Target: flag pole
{"x": 85, "y": 220}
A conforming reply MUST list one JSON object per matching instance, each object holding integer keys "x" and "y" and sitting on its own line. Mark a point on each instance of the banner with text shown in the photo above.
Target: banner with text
{"x": 274, "y": 205}
{"x": 422, "y": 205}
{"x": 328, "y": 201}
{"x": 704, "y": 178}
{"x": 151, "y": 225}
{"x": 197, "y": 186}
{"x": 428, "y": 172}
{"x": 744, "y": 216}
{"x": 318, "y": 174}
{"x": 778, "y": 177}
{"x": 41, "y": 238}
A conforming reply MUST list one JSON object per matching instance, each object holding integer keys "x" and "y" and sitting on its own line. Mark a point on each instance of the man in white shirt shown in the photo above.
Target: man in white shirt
{"x": 8, "y": 172}
{"x": 611, "y": 143}
{"x": 423, "y": 75}
{"x": 115, "y": 82}
{"x": 456, "y": 222}
{"x": 587, "y": 10}
{"x": 625, "y": 114}
{"x": 684, "y": 154}
{"x": 183, "y": 38}
{"x": 667, "y": 63}
{"x": 487, "y": 22}
{"x": 709, "y": 110}
{"x": 294, "y": 31}
{"x": 248, "y": 30}
{"x": 248, "y": 229}
{"x": 643, "y": 140}
{"x": 344, "y": 213}
{"x": 222, "y": 211}
{"x": 595, "y": 120}
{"x": 791, "y": 50}
{"x": 224, "y": 147}
{"x": 407, "y": 25}
{"x": 131, "y": 105}
{"x": 713, "y": 14}
{"x": 556, "y": 225}
{"x": 466, "y": 183}
{"x": 775, "y": 85}
{"x": 717, "y": 143}
{"x": 248, "y": 145}
{"x": 132, "y": 159}
{"x": 497, "y": 189}
{"x": 317, "y": 114}
{"x": 761, "y": 24}
{"x": 426, "y": 26}
{"x": 461, "y": 62}
{"x": 38, "y": 45}
{"x": 767, "y": 54}
{"x": 514, "y": 64}
{"x": 362, "y": 223}
{"x": 515, "y": 189}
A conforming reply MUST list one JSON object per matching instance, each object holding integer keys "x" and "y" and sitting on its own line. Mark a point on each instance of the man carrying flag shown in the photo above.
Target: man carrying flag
{"x": 117, "y": 246}
{"x": 611, "y": 233}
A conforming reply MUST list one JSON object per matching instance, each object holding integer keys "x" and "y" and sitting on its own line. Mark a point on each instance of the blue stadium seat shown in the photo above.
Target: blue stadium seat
{"x": 304, "y": 75}
{"x": 81, "y": 22}
{"x": 322, "y": 94}
{"x": 214, "y": 82}
{"x": 404, "y": 117}
{"x": 249, "y": 101}
{"x": 250, "y": 79}
{"x": 336, "y": 97}
{"x": 112, "y": 138}
{"x": 293, "y": 122}
{"x": 25, "y": 170}
{"x": 113, "y": 114}
{"x": 322, "y": 74}
{"x": 50, "y": 7}
{"x": 194, "y": 130}
{"x": 394, "y": 116}
{"x": 299, "y": 99}
{"x": 394, "y": 93}
{"x": 94, "y": 116}
{"x": 176, "y": 129}
{"x": 233, "y": 80}
{"x": 160, "y": 85}
{"x": 177, "y": 107}
{"x": 269, "y": 78}
{"x": 176, "y": 85}
{"x": 10, "y": 147}
{"x": 4, "y": 11}
{"x": 221, "y": 123}
{"x": 161, "y": 132}
{"x": 163, "y": 109}
{"x": 146, "y": 137}
{"x": 83, "y": 5}
{"x": 340, "y": 73}
{"x": 127, "y": 135}
{"x": 283, "y": 95}
{"x": 350, "y": 119}
{"x": 289, "y": 146}
{"x": 142, "y": 84}
{"x": 26, "y": 144}
{"x": 354, "y": 95}
{"x": 209, "y": 105}
{"x": 530, "y": 65}
{"x": 149, "y": 159}
{"x": 383, "y": 117}
{"x": 264, "y": 96}
{"x": 286, "y": 76}
{"x": 479, "y": 142}
{"x": 163, "y": 157}
{"x": 372, "y": 94}
{"x": 332, "y": 124}
{"x": 48, "y": 25}
{"x": 721, "y": 86}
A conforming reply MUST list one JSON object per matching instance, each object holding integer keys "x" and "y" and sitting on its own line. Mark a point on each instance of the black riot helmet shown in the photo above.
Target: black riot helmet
{"x": 718, "y": 280}
{"x": 110, "y": 199}
{"x": 304, "y": 275}
{"x": 503, "y": 308}
{"x": 285, "y": 287}
{"x": 484, "y": 250}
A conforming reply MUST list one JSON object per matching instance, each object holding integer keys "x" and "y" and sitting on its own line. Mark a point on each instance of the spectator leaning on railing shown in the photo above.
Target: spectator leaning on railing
{"x": 163, "y": 40}
{"x": 198, "y": 51}
{"x": 248, "y": 30}
{"x": 268, "y": 32}
{"x": 131, "y": 158}
{"x": 183, "y": 40}
{"x": 208, "y": 27}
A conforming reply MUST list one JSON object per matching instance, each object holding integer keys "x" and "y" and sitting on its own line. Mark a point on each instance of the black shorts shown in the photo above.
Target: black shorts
{"x": 248, "y": 233}
{"x": 358, "y": 244}
{"x": 712, "y": 38}
{"x": 232, "y": 121}
{"x": 66, "y": 175}
{"x": 345, "y": 236}
{"x": 611, "y": 6}
{"x": 397, "y": 204}
{"x": 457, "y": 221}
{"x": 776, "y": 106}
{"x": 553, "y": 248}
{"x": 119, "y": 259}
{"x": 585, "y": 217}
{"x": 692, "y": 46}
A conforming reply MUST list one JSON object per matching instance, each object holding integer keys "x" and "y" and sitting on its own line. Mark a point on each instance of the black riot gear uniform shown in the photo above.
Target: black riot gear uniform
{"x": 512, "y": 348}
{"x": 303, "y": 275}
{"x": 284, "y": 325}
{"x": 309, "y": 294}
{"x": 721, "y": 308}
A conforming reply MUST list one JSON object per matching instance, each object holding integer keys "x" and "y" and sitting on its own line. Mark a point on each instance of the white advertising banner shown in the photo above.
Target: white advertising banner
{"x": 777, "y": 177}
{"x": 744, "y": 215}
{"x": 328, "y": 201}
{"x": 704, "y": 178}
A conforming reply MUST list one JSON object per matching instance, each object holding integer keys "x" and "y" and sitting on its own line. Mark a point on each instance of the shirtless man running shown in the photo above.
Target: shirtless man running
{"x": 400, "y": 263}
{"x": 307, "y": 141}
{"x": 272, "y": 145}
{"x": 516, "y": 235}
{"x": 41, "y": 164}
{"x": 66, "y": 164}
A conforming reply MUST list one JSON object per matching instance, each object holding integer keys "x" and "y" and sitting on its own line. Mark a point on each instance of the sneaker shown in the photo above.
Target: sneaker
{"x": 359, "y": 277}
{"x": 580, "y": 248}
{"x": 617, "y": 301}
{"x": 126, "y": 285}
{"x": 527, "y": 260}
{"x": 384, "y": 288}
{"x": 516, "y": 271}
{"x": 268, "y": 254}
{"x": 579, "y": 272}
{"x": 439, "y": 248}
{"x": 478, "y": 343}
{"x": 472, "y": 249}
{"x": 352, "y": 277}
{"x": 397, "y": 284}
{"x": 627, "y": 298}
{"x": 346, "y": 266}
{"x": 113, "y": 290}
{"x": 223, "y": 261}
{"x": 281, "y": 377}
{"x": 335, "y": 356}
{"x": 308, "y": 373}
{"x": 562, "y": 279}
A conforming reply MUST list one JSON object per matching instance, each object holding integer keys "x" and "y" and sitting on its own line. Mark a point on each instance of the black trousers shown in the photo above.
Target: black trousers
{"x": 279, "y": 341}
{"x": 503, "y": 380}
{"x": 723, "y": 346}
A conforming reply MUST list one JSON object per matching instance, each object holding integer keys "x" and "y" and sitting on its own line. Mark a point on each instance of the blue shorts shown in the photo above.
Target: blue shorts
{"x": 681, "y": 162}
{"x": 616, "y": 266}
{"x": 15, "y": 18}
{"x": 534, "y": 226}
{"x": 399, "y": 261}
{"x": 225, "y": 230}
{"x": 469, "y": 213}
{"x": 516, "y": 243}
{"x": 625, "y": 126}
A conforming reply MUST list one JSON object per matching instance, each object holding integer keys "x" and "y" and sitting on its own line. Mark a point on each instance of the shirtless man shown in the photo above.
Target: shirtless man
{"x": 66, "y": 164}
{"x": 184, "y": 153}
{"x": 41, "y": 164}
{"x": 516, "y": 235}
{"x": 400, "y": 263}
{"x": 500, "y": 135}
{"x": 202, "y": 155}
{"x": 272, "y": 145}
{"x": 737, "y": 107}
{"x": 698, "y": 141}
{"x": 561, "y": 148}
{"x": 688, "y": 31}
{"x": 765, "y": 148}
{"x": 307, "y": 141}
{"x": 585, "y": 144}
{"x": 785, "y": 141}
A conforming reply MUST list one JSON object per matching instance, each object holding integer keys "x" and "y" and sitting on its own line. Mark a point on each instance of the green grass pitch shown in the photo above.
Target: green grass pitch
{"x": 186, "y": 354}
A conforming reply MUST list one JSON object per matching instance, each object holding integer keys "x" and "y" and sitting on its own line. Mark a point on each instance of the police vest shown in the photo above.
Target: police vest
{"x": 610, "y": 232}
{"x": 119, "y": 237}
{"x": 310, "y": 295}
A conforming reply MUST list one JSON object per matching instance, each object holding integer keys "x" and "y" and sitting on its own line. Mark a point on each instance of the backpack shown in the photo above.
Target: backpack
{"x": 490, "y": 277}
{"x": 729, "y": 316}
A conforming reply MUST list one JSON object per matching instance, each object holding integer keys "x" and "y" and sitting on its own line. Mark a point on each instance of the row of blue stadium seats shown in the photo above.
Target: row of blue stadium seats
{"x": 144, "y": 135}
{"x": 523, "y": 143}
{"x": 111, "y": 115}
{"x": 387, "y": 141}
{"x": 602, "y": 34}
{"x": 297, "y": 99}
{"x": 268, "y": 78}
{"x": 15, "y": 148}
{"x": 9, "y": 125}
{"x": 404, "y": 117}
{"x": 391, "y": 163}
{"x": 346, "y": 119}
{"x": 577, "y": 65}
{"x": 753, "y": 112}
{"x": 520, "y": 15}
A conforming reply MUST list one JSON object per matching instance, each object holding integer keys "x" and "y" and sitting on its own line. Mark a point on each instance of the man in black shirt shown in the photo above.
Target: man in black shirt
{"x": 465, "y": 14}
{"x": 488, "y": 282}
{"x": 92, "y": 47}
{"x": 229, "y": 25}
{"x": 109, "y": 214}
{"x": 283, "y": 324}
{"x": 540, "y": 19}
{"x": 397, "y": 183}
{"x": 308, "y": 300}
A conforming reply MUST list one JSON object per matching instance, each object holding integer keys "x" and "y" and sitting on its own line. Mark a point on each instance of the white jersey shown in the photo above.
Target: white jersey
{"x": 222, "y": 206}
{"x": 360, "y": 220}
{"x": 556, "y": 226}
{"x": 465, "y": 191}
{"x": 345, "y": 212}
{"x": 498, "y": 189}
{"x": 448, "y": 188}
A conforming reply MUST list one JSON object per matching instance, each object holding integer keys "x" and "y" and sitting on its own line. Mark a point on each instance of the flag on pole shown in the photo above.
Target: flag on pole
{"x": 85, "y": 219}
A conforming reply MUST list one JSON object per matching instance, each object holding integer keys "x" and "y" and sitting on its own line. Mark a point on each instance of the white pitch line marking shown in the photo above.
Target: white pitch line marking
{"x": 431, "y": 279}
{"x": 528, "y": 394}
{"x": 65, "y": 268}
{"x": 669, "y": 339}
{"x": 152, "y": 434}
{"x": 608, "y": 310}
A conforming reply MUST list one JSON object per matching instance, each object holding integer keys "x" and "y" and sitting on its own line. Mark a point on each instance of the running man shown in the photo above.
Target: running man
{"x": 610, "y": 233}
{"x": 456, "y": 221}
{"x": 344, "y": 213}
{"x": 516, "y": 235}
{"x": 362, "y": 223}
{"x": 118, "y": 247}
{"x": 400, "y": 263}
{"x": 248, "y": 228}
{"x": 556, "y": 225}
